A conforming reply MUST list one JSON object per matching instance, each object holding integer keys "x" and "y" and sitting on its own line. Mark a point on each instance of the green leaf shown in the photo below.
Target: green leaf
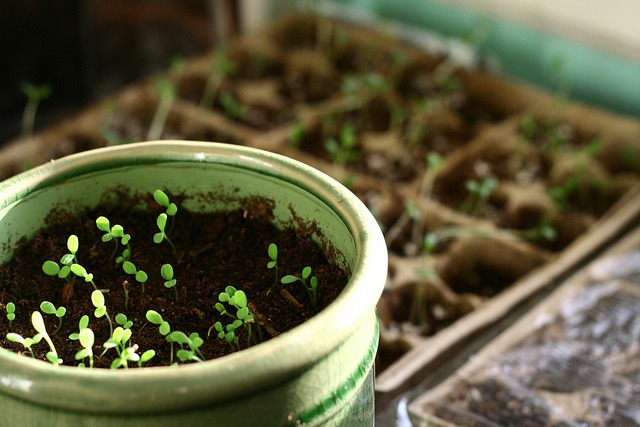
{"x": 67, "y": 259}
{"x": 51, "y": 268}
{"x": 272, "y": 250}
{"x": 158, "y": 238}
{"x": 97, "y": 298}
{"x": 11, "y": 336}
{"x": 129, "y": 267}
{"x": 306, "y": 272}
{"x": 172, "y": 209}
{"x": 166, "y": 271}
{"x": 72, "y": 243}
{"x": 161, "y": 198}
{"x": 86, "y": 338}
{"x": 38, "y": 322}
{"x": 240, "y": 299}
{"x": 141, "y": 276}
{"x": 288, "y": 279}
{"x": 103, "y": 224}
{"x": 154, "y": 317}
{"x": 161, "y": 221}
{"x": 84, "y": 322}
{"x": 147, "y": 355}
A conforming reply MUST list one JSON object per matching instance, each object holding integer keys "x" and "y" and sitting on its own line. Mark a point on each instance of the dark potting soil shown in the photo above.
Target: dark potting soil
{"x": 214, "y": 250}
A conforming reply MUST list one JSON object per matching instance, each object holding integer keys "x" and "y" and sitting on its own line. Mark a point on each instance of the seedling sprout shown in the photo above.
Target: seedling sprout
{"x": 272, "y": 251}
{"x": 311, "y": 286}
{"x": 11, "y": 312}
{"x": 166, "y": 271}
{"x": 48, "y": 308}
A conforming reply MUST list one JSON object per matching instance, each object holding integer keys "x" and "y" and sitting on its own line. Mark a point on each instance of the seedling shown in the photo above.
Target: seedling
{"x": 48, "y": 308}
{"x": 479, "y": 193}
{"x": 166, "y": 271}
{"x": 97, "y": 299}
{"x": 86, "y": 338}
{"x": 544, "y": 230}
{"x": 122, "y": 320}
{"x": 161, "y": 221}
{"x": 193, "y": 342}
{"x": 34, "y": 95}
{"x": 434, "y": 162}
{"x": 140, "y": 275}
{"x": 163, "y": 327}
{"x": 118, "y": 341}
{"x": 27, "y": 343}
{"x": 82, "y": 324}
{"x": 114, "y": 233}
{"x": 311, "y": 286}
{"x": 232, "y": 107}
{"x": 11, "y": 312}
{"x": 345, "y": 150}
{"x": 238, "y": 300}
{"x": 528, "y": 127}
{"x": 228, "y": 333}
{"x": 167, "y": 91}
{"x": 272, "y": 251}
{"x": 561, "y": 194}
{"x": 298, "y": 132}
{"x": 69, "y": 264}
{"x": 221, "y": 67}
{"x": 38, "y": 323}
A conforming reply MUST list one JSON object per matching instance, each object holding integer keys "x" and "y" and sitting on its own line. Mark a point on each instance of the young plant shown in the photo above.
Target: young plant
{"x": 34, "y": 95}
{"x": 298, "y": 132}
{"x": 11, "y": 312}
{"x": 272, "y": 251}
{"x": 479, "y": 193}
{"x": 38, "y": 323}
{"x": 27, "y": 343}
{"x": 166, "y": 271}
{"x": 193, "y": 342}
{"x": 68, "y": 264}
{"x": 163, "y": 327}
{"x": 311, "y": 286}
{"x": 48, "y": 308}
{"x": 97, "y": 299}
{"x": 170, "y": 211}
{"x": 114, "y": 233}
{"x": 86, "y": 338}
{"x": 118, "y": 341}
{"x": 167, "y": 91}
{"x": 232, "y": 107}
{"x": 82, "y": 324}
{"x": 238, "y": 300}
{"x": 221, "y": 67}
{"x": 344, "y": 150}
{"x": 140, "y": 275}
{"x": 122, "y": 320}
{"x": 228, "y": 332}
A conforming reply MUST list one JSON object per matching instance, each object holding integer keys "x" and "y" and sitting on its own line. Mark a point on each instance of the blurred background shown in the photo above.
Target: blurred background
{"x": 84, "y": 50}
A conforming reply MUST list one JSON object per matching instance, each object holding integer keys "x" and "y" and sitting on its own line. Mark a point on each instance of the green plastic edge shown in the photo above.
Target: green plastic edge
{"x": 595, "y": 76}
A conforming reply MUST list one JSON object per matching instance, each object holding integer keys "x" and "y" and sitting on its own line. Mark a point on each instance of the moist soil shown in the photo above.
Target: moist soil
{"x": 214, "y": 250}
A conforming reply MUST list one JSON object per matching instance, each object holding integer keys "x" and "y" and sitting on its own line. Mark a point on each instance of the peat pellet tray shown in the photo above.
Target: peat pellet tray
{"x": 488, "y": 191}
{"x": 571, "y": 361}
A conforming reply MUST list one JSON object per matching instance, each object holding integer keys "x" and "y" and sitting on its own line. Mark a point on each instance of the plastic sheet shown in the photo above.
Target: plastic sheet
{"x": 580, "y": 366}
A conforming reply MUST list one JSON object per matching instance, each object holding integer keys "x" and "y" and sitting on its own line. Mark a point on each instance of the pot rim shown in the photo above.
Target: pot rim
{"x": 331, "y": 326}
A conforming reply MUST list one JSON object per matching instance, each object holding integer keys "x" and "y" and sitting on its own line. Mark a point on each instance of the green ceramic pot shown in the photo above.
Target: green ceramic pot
{"x": 320, "y": 373}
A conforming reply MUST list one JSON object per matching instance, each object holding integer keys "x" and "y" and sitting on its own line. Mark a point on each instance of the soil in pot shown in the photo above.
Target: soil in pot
{"x": 214, "y": 250}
